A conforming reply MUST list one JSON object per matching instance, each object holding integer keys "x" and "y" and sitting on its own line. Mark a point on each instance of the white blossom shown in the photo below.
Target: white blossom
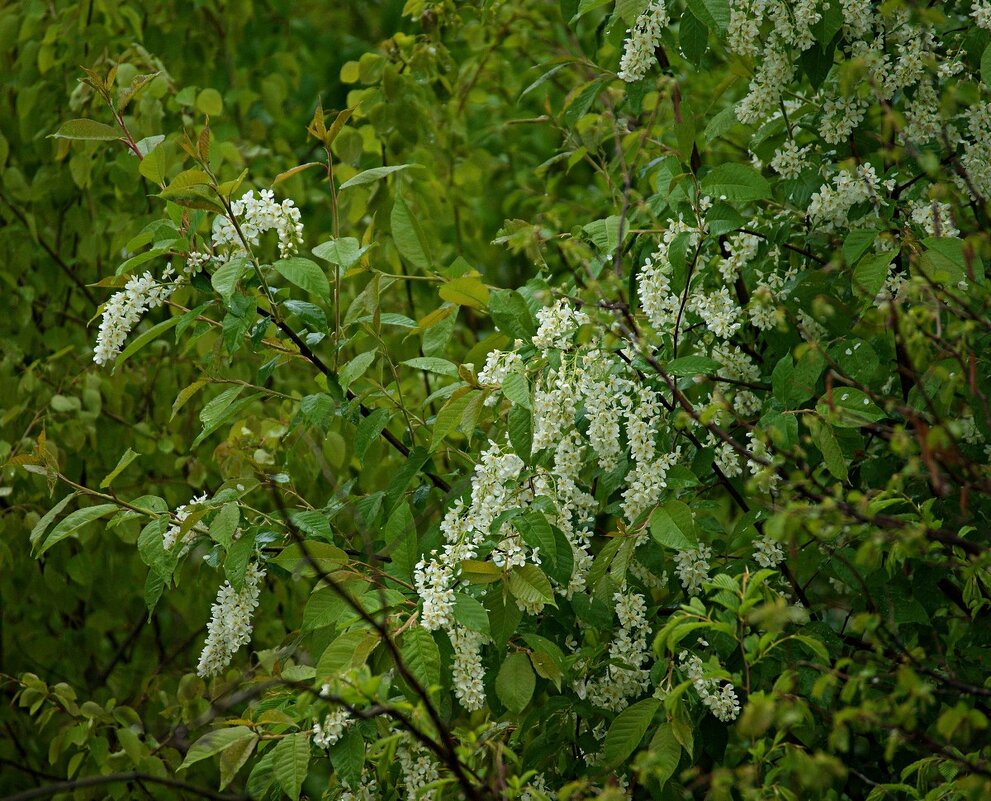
{"x": 332, "y": 728}
{"x": 692, "y": 566}
{"x": 230, "y": 622}
{"x": 642, "y": 40}
{"x": 123, "y": 311}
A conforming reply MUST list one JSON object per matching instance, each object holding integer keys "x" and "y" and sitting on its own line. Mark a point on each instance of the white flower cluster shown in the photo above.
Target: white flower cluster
{"x": 692, "y": 566}
{"x": 467, "y": 671}
{"x": 981, "y": 12}
{"x": 558, "y": 324}
{"x": 934, "y": 218}
{"x": 332, "y": 728}
{"x": 180, "y": 515}
{"x": 767, "y": 552}
{"x": 830, "y": 207}
{"x": 647, "y": 480}
{"x": 495, "y": 489}
{"x": 417, "y": 768}
{"x": 256, "y": 216}
{"x": 642, "y": 40}
{"x": 124, "y": 310}
{"x": 789, "y": 160}
{"x": 498, "y": 365}
{"x": 230, "y": 622}
{"x": 368, "y": 790}
{"x": 658, "y": 302}
{"x": 628, "y": 678}
{"x": 840, "y": 117}
{"x": 721, "y": 701}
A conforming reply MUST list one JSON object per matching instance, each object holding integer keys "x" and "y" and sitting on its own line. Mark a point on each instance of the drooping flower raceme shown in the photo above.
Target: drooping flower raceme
{"x": 124, "y": 310}
{"x": 642, "y": 40}
{"x": 230, "y": 622}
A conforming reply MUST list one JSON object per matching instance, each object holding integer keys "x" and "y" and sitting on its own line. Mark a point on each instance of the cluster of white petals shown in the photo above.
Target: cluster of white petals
{"x": 418, "y": 770}
{"x": 230, "y": 622}
{"x": 256, "y": 216}
{"x": 642, "y": 40}
{"x": 720, "y": 700}
{"x": 767, "y": 552}
{"x": 181, "y": 514}
{"x": 626, "y": 677}
{"x": 558, "y": 324}
{"x": 328, "y": 732}
{"x": 692, "y": 566}
{"x": 124, "y": 310}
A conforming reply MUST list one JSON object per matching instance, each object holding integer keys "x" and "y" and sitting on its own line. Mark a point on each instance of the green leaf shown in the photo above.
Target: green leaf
{"x": 399, "y": 535}
{"x": 517, "y": 389}
{"x": 152, "y": 166}
{"x": 521, "y": 431}
{"x": 735, "y": 182}
{"x": 673, "y": 526}
{"x": 225, "y": 278}
{"x": 210, "y": 102}
{"x": 305, "y": 274}
{"x": 433, "y": 364}
{"x": 856, "y": 244}
{"x": 449, "y": 417}
{"x": 511, "y": 315}
{"x": 693, "y": 36}
{"x": 87, "y": 130}
{"x": 215, "y": 414}
{"x": 530, "y": 585}
{"x": 347, "y": 756}
{"x": 470, "y": 613}
{"x": 849, "y": 408}
{"x": 290, "y": 759}
{"x": 355, "y": 368}
{"x": 369, "y": 430}
{"x": 465, "y": 291}
{"x": 870, "y": 273}
{"x": 824, "y": 439}
{"x": 42, "y": 525}
{"x": 409, "y": 237}
{"x": 713, "y": 13}
{"x": 372, "y": 175}
{"x": 665, "y": 751}
{"x": 213, "y": 742}
{"x": 537, "y": 533}
{"x": 515, "y": 682}
{"x": 986, "y": 66}
{"x": 627, "y": 730}
{"x": 343, "y": 252}
{"x": 692, "y": 365}
{"x": 225, "y": 524}
{"x": 421, "y": 656}
{"x": 128, "y": 457}
{"x": 234, "y": 757}
{"x": 75, "y": 521}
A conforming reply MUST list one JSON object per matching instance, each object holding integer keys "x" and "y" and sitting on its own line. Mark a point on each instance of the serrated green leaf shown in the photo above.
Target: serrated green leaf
{"x": 515, "y": 682}
{"x": 290, "y": 760}
{"x": 422, "y": 657}
{"x": 127, "y": 457}
{"x": 372, "y": 175}
{"x": 305, "y": 274}
{"x": 75, "y": 521}
{"x": 627, "y": 730}
{"x": 213, "y": 742}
